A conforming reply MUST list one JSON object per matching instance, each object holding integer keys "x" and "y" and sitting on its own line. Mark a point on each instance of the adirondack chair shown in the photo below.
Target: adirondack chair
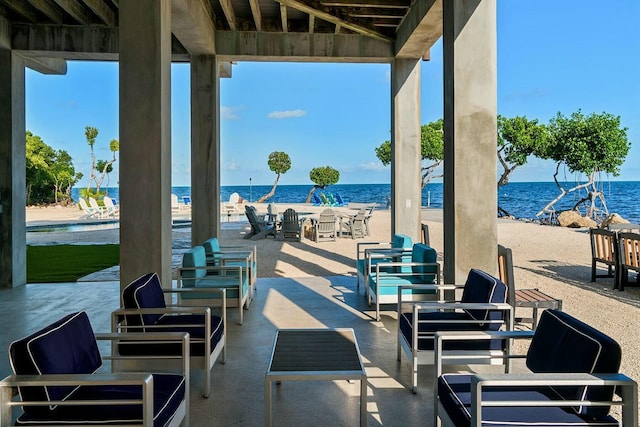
{"x": 291, "y": 227}
{"x": 325, "y": 226}
{"x": 354, "y": 225}
{"x": 259, "y": 228}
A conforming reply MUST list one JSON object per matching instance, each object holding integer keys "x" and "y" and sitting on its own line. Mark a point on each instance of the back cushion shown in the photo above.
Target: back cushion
{"x": 424, "y": 254}
{"x": 212, "y": 249}
{"x": 402, "y": 241}
{"x": 481, "y": 287}
{"x": 144, "y": 292}
{"x": 67, "y": 346}
{"x": 562, "y": 343}
{"x": 194, "y": 257}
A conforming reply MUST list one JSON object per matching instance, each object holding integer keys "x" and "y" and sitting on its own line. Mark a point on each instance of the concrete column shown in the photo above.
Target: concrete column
{"x": 205, "y": 148}
{"x": 470, "y": 109}
{"x": 406, "y": 191}
{"x": 13, "y": 252}
{"x": 145, "y": 139}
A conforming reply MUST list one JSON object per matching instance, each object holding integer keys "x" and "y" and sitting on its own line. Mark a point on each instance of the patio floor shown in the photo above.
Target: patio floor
{"x": 237, "y": 398}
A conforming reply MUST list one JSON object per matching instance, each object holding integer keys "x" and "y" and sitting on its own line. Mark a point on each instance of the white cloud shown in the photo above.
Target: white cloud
{"x": 229, "y": 113}
{"x": 286, "y": 114}
{"x": 231, "y": 166}
{"x": 373, "y": 166}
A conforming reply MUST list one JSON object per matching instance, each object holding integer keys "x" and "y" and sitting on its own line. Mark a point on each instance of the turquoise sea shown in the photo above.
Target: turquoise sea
{"x": 521, "y": 199}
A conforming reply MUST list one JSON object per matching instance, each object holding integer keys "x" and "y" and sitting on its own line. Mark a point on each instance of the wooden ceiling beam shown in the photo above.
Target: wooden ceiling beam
{"x": 76, "y": 10}
{"x": 192, "y": 24}
{"x": 257, "y": 14}
{"x": 398, "y": 4}
{"x": 229, "y": 13}
{"x": 312, "y": 24}
{"x": 104, "y": 12}
{"x": 284, "y": 18}
{"x": 333, "y": 19}
{"x": 50, "y": 11}
{"x": 20, "y": 7}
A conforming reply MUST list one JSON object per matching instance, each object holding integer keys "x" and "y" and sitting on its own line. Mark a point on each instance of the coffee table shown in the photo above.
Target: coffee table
{"x": 315, "y": 354}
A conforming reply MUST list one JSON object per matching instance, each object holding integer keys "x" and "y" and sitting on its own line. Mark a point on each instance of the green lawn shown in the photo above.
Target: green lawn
{"x": 68, "y": 263}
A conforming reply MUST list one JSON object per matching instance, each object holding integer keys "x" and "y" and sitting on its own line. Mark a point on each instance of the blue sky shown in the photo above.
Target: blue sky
{"x": 552, "y": 56}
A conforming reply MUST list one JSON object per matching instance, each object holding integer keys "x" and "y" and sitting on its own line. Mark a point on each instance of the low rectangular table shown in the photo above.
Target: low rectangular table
{"x": 315, "y": 354}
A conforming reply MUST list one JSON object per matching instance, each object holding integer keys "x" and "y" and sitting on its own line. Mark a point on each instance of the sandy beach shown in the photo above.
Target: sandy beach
{"x": 553, "y": 259}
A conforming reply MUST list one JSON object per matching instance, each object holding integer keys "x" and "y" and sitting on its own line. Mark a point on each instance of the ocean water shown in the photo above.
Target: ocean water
{"x": 520, "y": 199}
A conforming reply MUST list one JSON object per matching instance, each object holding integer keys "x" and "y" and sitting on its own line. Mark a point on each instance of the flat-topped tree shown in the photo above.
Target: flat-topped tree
{"x": 279, "y": 162}
{"x": 431, "y": 150}
{"x": 589, "y": 145}
{"x": 321, "y": 177}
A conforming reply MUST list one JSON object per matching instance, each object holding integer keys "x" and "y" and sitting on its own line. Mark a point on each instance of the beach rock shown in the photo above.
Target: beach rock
{"x": 573, "y": 219}
{"x": 614, "y": 218}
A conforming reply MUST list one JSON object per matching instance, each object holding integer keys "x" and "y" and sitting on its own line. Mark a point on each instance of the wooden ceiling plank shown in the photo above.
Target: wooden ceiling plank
{"x": 375, "y": 16}
{"x": 402, "y": 4}
{"x": 257, "y": 14}
{"x": 333, "y": 19}
{"x": 192, "y": 24}
{"x": 337, "y": 31}
{"x": 104, "y": 12}
{"x": 20, "y": 7}
{"x": 284, "y": 18}
{"x": 312, "y": 24}
{"x": 76, "y": 10}
{"x": 50, "y": 11}
{"x": 420, "y": 29}
{"x": 229, "y": 13}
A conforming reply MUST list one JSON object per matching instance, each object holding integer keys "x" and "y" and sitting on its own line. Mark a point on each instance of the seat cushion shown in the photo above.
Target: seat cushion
{"x": 455, "y": 397}
{"x": 67, "y": 346}
{"x": 563, "y": 343}
{"x": 168, "y": 393}
{"x": 424, "y": 254}
{"x": 387, "y": 284}
{"x": 144, "y": 292}
{"x": 194, "y": 257}
{"x": 177, "y": 323}
{"x": 481, "y": 287}
{"x": 445, "y": 321}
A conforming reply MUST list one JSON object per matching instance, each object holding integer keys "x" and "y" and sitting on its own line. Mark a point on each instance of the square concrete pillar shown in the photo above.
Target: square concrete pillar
{"x": 13, "y": 251}
{"x": 145, "y": 139}
{"x": 470, "y": 111}
{"x": 205, "y": 148}
{"x": 406, "y": 190}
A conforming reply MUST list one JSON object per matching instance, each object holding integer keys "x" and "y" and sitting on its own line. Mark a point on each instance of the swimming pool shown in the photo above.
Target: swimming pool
{"x": 93, "y": 226}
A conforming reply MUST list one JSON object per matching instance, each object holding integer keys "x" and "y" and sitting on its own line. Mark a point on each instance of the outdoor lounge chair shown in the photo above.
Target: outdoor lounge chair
{"x": 387, "y": 276}
{"x": 315, "y": 200}
{"x": 291, "y": 226}
{"x": 259, "y": 228}
{"x": 89, "y": 211}
{"x": 324, "y": 228}
{"x": 111, "y": 208}
{"x": 101, "y": 212}
{"x": 573, "y": 375}
{"x": 368, "y": 254}
{"x": 236, "y": 255}
{"x": 340, "y": 200}
{"x": 56, "y": 375}
{"x": 234, "y": 279}
{"x": 628, "y": 258}
{"x": 603, "y": 250}
{"x": 483, "y": 307}
{"x": 144, "y": 310}
{"x": 354, "y": 225}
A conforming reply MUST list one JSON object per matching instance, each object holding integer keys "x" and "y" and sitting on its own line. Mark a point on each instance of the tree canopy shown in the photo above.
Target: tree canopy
{"x": 99, "y": 168}
{"x": 279, "y": 162}
{"x": 518, "y": 138}
{"x": 588, "y": 145}
{"x": 322, "y": 176}
{"x": 50, "y": 173}
{"x": 431, "y": 150}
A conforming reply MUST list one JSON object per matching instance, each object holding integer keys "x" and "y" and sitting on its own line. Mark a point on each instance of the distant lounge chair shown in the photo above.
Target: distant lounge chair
{"x": 325, "y": 201}
{"x": 259, "y": 229}
{"x": 89, "y": 212}
{"x": 315, "y": 200}
{"x": 232, "y": 205}
{"x": 340, "y": 200}
{"x": 110, "y": 206}
{"x": 175, "y": 204}
{"x": 291, "y": 227}
{"x": 101, "y": 212}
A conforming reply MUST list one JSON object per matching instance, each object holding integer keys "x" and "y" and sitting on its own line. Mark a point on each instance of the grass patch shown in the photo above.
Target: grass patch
{"x": 68, "y": 263}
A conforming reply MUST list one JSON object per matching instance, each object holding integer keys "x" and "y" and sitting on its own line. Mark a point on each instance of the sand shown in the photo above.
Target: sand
{"x": 553, "y": 259}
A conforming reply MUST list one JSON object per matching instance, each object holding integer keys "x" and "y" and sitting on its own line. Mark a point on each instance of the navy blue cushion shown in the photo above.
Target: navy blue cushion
{"x": 442, "y": 321}
{"x": 67, "y": 346}
{"x": 563, "y": 343}
{"x": 177, "y": 323}
{"x": 481, "y": 287}
{"x": 168, "y": 393}
{"x": 144, "y": 292}
{"x": 455, "y": 397}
